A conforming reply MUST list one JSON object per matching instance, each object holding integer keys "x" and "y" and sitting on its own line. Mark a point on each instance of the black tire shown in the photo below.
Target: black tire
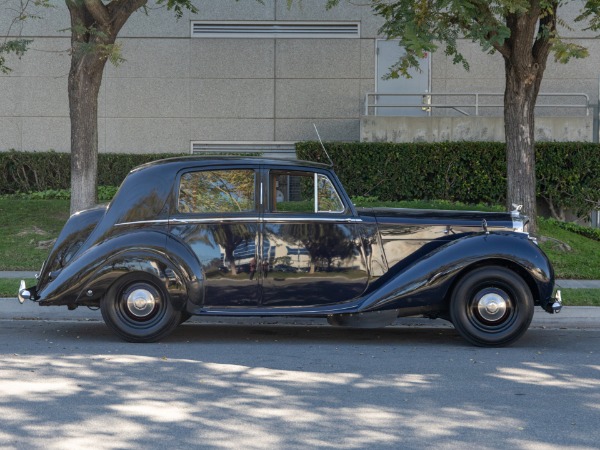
{"x": 491, "y": 306}
{"x": 138, "y": 309}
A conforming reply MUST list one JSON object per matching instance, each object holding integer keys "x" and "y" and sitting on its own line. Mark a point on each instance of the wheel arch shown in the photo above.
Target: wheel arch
{"x": 502, "y": 262}
{"x": 179, "y": 281}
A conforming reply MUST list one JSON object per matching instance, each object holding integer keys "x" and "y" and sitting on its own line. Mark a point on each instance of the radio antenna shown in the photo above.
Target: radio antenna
{"x": 322, "y": 146}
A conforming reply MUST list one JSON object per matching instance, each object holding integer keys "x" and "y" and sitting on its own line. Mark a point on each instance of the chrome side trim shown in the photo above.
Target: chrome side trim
{"x": 240, "y": 219}
{"x": 143, "y": 222}
{"x": 312, "y": 219}
{"x": 215, "y": 220}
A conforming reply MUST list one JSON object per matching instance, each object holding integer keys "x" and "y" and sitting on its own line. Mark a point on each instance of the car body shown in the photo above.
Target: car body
{"x": 232, "y": 236}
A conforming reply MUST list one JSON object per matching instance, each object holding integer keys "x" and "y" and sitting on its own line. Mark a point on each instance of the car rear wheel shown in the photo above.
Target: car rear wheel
{"x": 491, "y": 306}
{"x": 138, "y": 309}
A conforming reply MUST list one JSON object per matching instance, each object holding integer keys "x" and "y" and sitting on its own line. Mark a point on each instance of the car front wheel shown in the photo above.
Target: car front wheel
{"x": 138, "y": 309}
{"x": 491, "y": 306}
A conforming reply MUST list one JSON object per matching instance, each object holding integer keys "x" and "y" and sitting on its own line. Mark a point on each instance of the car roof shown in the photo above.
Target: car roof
{"x": 214, "y": 160}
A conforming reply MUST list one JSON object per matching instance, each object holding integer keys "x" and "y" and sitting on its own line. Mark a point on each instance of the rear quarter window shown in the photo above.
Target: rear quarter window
{"x": 217, "y": 191}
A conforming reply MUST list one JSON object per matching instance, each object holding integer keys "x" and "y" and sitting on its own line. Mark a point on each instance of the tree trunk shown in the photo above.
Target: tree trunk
{"x": 525, "y": 55}
{"x": 85, "y": 78}
{"x": 94, "y": 29}
{"x": 519, "y": 125}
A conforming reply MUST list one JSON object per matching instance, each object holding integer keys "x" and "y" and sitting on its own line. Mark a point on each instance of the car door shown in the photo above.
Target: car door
{"x": 217, "y": 216}
{"x": 310, "y": 240}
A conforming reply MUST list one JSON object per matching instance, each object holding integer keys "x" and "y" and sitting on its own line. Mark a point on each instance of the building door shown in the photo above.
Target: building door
{"x": 388, "y": 53}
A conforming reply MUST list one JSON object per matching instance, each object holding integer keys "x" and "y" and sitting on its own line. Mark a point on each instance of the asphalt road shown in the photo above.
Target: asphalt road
{"x": 245, "y": 385}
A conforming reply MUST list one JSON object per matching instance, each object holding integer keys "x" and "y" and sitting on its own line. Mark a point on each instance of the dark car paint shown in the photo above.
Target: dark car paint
{"x": 395, "y": 259}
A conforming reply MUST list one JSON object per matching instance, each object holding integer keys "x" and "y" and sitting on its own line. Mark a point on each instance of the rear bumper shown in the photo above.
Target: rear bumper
{"x": 26, "y": 293}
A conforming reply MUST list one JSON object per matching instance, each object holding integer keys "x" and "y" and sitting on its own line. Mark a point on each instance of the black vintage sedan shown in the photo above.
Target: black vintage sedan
{"x": 264, "y": 237}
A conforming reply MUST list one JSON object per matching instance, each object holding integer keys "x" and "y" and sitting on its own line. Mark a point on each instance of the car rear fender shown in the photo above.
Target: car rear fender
{"x": 88, "y": 278}
{"x": 433, "y": 275}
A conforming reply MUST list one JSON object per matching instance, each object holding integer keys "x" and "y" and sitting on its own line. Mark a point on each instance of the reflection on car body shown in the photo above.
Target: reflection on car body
{"x": 264, "y": 237}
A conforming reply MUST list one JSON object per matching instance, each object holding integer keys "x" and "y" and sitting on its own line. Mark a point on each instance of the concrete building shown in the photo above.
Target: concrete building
{"x": 250, "y": 75}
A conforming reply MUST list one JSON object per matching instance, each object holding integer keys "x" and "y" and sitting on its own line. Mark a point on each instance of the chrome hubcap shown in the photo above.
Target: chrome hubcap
{"x": 492, "y": 307}
{"x": 141, "y": 302}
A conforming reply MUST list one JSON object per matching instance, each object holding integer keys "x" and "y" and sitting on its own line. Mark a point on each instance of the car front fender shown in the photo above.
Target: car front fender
{"x": 433, "y": 275}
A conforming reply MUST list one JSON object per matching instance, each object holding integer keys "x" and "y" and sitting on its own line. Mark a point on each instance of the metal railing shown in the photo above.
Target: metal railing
{"x": 428, "y": 105}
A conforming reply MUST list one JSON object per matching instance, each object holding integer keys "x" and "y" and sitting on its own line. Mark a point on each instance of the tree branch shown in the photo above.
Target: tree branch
{"x": 487, "y": 16}
{"x": 99, "y": 12}
{"x": 546, "y": 31}
{"x": 120, "y": 11}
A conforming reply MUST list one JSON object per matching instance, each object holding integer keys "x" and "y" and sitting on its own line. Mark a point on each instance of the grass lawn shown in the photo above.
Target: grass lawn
{"x": 581, "y": 297}
{"x": 581, "y": 262}
{"x": 9, "y": 287}
{"x": 24, "y": 224}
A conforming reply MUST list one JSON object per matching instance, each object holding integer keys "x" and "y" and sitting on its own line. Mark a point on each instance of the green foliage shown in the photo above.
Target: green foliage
{"x": 457, "y": 171}
{"x": 105, "y": 193}
{"x": 48, "y": 194}
{"x": 15, "y": 46}
{"x": 28, "y": 172}
{"x": 23, "y": 172}
{"x": 49, "y": 173}
{"x": 178, "y": 6}
{"x": 590, "y": 233}
{"x": 422, "y": 26}
{"x": 469, "y": 172}
{"x": 568, "y": 176}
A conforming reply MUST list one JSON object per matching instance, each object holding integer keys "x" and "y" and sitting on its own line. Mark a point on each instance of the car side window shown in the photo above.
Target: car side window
{"x": 328, "y": 200}
{"x": 303, "y": 192}
{"x": 217, "y": 191}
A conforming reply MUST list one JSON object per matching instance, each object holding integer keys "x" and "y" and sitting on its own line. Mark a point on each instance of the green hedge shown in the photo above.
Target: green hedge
{"x": 42, "y": 171}
{"x": 471, "y": 172}
{"x": 467, "y": 172}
